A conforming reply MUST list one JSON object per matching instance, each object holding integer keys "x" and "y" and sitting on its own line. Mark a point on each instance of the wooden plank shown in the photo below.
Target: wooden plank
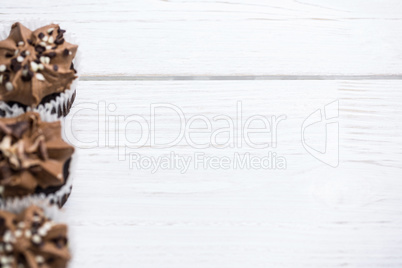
{"x": 309, "y": 215}
{"x": 234, "y": 37}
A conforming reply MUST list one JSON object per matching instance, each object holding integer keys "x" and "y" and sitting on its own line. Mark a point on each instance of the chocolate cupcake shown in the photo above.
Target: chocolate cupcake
{"x": 29, "y": 238}
{"x": 34, "y": 159}
{"x": 36, "y": 71}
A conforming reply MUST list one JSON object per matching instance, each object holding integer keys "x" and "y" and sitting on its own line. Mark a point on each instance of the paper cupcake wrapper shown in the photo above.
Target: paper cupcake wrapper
{"x": 52, "y": 111}
{"x": 52, "y": 198}
{"x": 55, "y": 109}
{"x": 18, "y": 205}
{"x": 51, "y": 211}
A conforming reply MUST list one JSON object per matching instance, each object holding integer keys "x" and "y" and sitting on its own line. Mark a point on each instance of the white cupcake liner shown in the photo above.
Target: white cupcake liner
{"x": 52, "y": 198}
{"x": 52, "y": 212}
{"x": 55, "y": 109}
{"x": 50, "y": 112}
{"x": 16, "y": 206}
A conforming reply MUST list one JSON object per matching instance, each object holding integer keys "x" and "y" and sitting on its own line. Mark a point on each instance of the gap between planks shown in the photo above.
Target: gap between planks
{"x": 240, "y": 77}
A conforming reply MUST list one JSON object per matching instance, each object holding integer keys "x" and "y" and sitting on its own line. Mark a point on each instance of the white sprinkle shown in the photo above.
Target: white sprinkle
{"x": 36, "y": 218}
{"x": 40, "y": 66}
{"x": 43, "y": 44}
{"x": 27, "y": 53}
{"x": 40, "y": 77}
{"x": 1, "y": 248}
{"x": 7, "y": 236}
{"x": 59, "y": 176}
{"x": 51, "y": 40}
{"x": 45, "y": 38}
{"x": 70, "y": 53}
{"x": 48, "y": 47}
{"x": 7, "y": 266}
{"x": 21, "y": 224}
{"x": 20, "y": 58}
{"x": 1, "y": 81}
{"x": 24, "y": 72}
{"x": 39, "y": 259}
{"x": 4, "y": 260}
{"x": 9, "y": 247}
{"x": 36, "y": 239}
{"x": 42, "y": 231}
{"x": 45, "y": 60}
{"x": 50, "y": 30}
{"x": 21, "y": 43}
{"x": 47, "y": 226}
{"x": 20, "y": 265}
{"x": 3, "y": 68}
{"x": 16, "y": 52}
{"x": 28, "y": 233}
{"x": 34, "y": 66}
{"x": 9, "y": 86}
{"x": 18, "y": 233}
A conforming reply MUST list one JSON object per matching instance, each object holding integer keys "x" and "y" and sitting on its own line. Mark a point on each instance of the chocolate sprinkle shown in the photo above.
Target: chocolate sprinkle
{"x": 60, "y": 31}
{"x": 23, "y": 53}
{"x": 66, "y": 52}
{"x": 15, "y": 65}
{"x": 29, "y": 41}
{"x": 39, "y": 49}
{"x": 55, "y": 67}
{"x": 41, "y": 35}
{"x": 51, "y": 54}
{"x": 28, "y": 77}
{"x": 60, "y": 242}
{"x": 59, "y": 41}
{"x": 9, "y": 55}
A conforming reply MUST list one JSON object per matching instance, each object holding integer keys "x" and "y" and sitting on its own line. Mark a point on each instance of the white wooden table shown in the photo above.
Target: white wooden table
{"x": 206, "y": 58}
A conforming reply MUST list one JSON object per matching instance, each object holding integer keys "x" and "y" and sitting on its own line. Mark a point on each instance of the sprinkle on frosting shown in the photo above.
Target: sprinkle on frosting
{"x": 30, "y": 239}
{"x": 27, "y": 60}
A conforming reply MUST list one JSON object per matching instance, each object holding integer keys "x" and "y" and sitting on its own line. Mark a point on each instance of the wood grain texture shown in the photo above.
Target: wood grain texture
{"x": 309, "y": 215}
{"x": 233, "y": 37}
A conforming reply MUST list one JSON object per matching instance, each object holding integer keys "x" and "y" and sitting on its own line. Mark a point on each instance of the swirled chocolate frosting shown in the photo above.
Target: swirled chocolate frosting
{"x": 30, "y": 239}
{"x": 35, "y": 64}
{"x": 32, "y": 155}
